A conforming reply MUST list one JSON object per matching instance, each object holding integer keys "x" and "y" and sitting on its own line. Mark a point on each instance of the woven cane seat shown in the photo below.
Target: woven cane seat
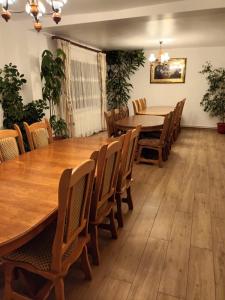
{"x": 149, "y": 142}
{"x": 8, "y": 148}
{"x": 40, "y": 138}
{"x": 38, "y": 252}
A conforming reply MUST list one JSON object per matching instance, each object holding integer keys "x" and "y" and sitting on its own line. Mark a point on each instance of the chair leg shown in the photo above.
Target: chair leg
{"x": 94, "y": 245}
{"x": 59, "y": 289}
{"x": 129, "y": 199}
{"x": 85, "y": 264}
{"x": 139, "y": 154}
{"x": 9, "y": 273}
{"x": 119, "y": 213}
{"x": 160, "y": 157}
{"x": 113, "y": 225}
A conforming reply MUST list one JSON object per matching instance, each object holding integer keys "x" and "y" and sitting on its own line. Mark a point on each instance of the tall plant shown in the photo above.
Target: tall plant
{"x": 214, "y": 99}
{"x": 52, "y": 74}
{"x": 11, "y": 83}
{"x": 120, "y": 66}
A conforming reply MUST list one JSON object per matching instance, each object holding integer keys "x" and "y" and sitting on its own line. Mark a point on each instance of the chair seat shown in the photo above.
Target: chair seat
{"x": 38, "y": 252}
{"x": 155, "y": 143}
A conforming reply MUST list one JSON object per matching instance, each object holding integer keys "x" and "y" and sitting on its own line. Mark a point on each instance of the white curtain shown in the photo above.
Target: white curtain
{"x": 85, "y": 92}
{"x": 66, "y": 106}
{"x": 102, "y": 67}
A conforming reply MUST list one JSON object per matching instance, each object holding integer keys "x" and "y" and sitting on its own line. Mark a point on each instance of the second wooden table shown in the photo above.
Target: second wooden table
{"x": 148, "y": 123}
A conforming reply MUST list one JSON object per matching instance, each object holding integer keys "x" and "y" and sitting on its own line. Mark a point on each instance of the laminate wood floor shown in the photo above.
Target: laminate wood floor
{"x": 172, "y": 246}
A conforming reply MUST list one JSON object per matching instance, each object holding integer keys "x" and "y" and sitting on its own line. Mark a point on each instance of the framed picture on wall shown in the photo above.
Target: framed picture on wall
{"x": 173, "y": 71}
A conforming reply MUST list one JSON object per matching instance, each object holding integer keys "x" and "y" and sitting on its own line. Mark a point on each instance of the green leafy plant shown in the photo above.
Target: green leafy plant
{"x": 214, "y": 99}
{"x": 11, "y": 83}
{"x": 52, "y": 74}
{"x": 59, "y": 127}
{"x": 14, "y": 111}
{"x": 120, "y": 66}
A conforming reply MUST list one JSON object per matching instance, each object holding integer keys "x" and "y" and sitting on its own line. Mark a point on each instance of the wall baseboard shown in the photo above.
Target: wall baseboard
{"x": 198, "y": 127}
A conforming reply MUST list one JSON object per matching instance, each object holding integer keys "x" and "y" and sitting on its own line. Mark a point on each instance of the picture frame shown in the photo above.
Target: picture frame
{"x": 174, "y": 71}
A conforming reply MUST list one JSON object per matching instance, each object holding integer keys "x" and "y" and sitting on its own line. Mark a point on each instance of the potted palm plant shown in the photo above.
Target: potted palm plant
{"x": 214, "y": 99}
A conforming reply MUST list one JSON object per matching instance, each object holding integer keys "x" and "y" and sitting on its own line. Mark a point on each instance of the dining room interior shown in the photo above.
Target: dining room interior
{"x": 112, "y": 137}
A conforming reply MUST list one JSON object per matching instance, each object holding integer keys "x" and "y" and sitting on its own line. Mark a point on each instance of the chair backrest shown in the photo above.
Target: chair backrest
{"x": 109, "y": 122}
{"x": 142, "y": 103}
{"x": 116, "y": 114}
{"x": 74, "y": 196}
{"x": 124, "y": 112}
{"x": 135, "y": 106}
{"x": 171, "y": 126}
{"x": 11, "y": 143}
{"x": 127, "y": 156}
{"x": 165, "y": 129}
{"x": 181, "y": 108}
{"x": 107, "y": 175}
{"x": 38, "y": 134}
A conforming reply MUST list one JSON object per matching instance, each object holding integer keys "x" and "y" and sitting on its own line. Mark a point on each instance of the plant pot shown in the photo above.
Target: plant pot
{"x": 221, "y": 128}
{"x": 58, "y": 138}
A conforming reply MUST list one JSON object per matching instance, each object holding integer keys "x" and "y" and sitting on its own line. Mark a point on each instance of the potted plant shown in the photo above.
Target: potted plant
{"x": 14, "y": 111}
{"x": 120, "y": 66}
{"x": 52, "y": 75}
{"x": 59, "y": 127}
{"x": 214, "y": 99}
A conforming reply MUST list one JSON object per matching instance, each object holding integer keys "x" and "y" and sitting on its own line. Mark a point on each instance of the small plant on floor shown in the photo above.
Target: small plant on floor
{"x": 120, "y": 66}
{"x": 214, "y": 99}
{"x": 59, "y": 127}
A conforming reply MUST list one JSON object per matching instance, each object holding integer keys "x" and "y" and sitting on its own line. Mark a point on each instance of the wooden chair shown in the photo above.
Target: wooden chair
{"x": 11, "y": 143}
{"x": 125, "y": 172}
{"x": 135, "y": 106}
{"x": 124, "y": 112}
{"x": 51, "y": 253}
{"x": 154, "y": 144}
{"x": 176, "y": 120}
{"x": 38, "y": 134}
{"x": 142, "y": 103}
{"x": 109, "y": 123}
{"x": 180, "y": 114}
{"x": 103, "y": 200}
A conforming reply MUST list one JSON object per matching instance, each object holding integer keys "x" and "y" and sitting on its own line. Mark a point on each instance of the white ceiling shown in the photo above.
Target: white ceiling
{"x": 90, "y": 6}
{"x": 132, "y": 24}
{"x": 194, "y": 29}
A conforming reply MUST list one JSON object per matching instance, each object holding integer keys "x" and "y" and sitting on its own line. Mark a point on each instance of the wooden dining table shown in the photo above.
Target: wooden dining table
{"x": 156, "y": 110}
{"x": 148, "y": 123}
{"x": 29, "y": 188}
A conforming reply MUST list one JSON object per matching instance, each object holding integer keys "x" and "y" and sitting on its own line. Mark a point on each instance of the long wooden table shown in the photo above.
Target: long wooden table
{"x": 148, "y": 123}
{"x": 156, "y": 110}
{"x": 29, "y": 187}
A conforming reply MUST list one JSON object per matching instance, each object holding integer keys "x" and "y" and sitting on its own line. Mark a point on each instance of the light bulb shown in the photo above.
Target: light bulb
{"x": 152, "y": 57}
{"x": 166, "y": 57}
{"x": 5, "y": 2}
{"x": 57, "y": 4}
{"x": 41, "y": 9}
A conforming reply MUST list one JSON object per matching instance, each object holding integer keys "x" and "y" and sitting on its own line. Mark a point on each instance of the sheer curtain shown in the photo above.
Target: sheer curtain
{"x": 66, "y": 106}
{"x": 84, "y": 96}
{"x": 85, "y": 92}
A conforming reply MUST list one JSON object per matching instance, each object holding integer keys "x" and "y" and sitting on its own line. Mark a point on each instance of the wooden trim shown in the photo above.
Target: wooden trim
{"x": 76, "y": 44}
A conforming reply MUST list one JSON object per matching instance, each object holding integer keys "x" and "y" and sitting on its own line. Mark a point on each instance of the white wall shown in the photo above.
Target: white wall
{"x": 193, "y": 89}
{"x": 23, "y": 48}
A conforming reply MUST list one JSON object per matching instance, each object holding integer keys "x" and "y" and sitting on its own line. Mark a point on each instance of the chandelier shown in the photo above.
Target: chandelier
{"x": 162, "y": 58}
{"x": 35, "y": 9}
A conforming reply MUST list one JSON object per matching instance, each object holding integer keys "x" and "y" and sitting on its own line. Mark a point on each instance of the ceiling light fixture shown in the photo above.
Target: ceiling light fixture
{"x": 162, "y": 58}
{"x": 36, "y": 9}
